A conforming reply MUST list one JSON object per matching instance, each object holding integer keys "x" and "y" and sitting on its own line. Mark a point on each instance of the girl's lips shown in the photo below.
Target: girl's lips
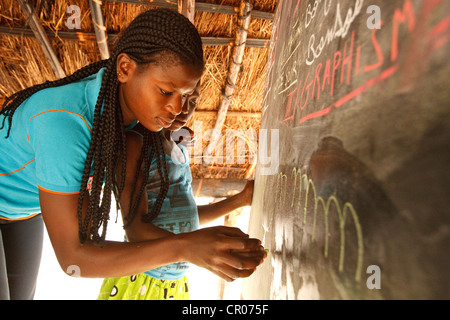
{"x": 179, "y": 123}
{"x": 164, "y": 123}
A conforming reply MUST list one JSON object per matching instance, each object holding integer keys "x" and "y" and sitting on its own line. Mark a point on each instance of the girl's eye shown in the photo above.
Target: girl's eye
{"x": 193, "y": 102}
{"x": 165, "y": 93}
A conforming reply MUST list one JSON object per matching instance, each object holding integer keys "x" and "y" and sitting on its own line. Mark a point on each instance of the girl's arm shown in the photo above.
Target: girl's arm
{"x": 213, "y": 211}
{"x": 210, "y": 248}
{"x": 137, "y": 230}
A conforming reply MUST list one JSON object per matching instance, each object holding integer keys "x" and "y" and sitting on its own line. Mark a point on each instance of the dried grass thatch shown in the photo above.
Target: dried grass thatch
{"x": 22, "y": 63}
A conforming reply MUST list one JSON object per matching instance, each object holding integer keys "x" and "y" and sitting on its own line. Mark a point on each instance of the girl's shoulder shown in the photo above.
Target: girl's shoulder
{"x": 78, "y": 97}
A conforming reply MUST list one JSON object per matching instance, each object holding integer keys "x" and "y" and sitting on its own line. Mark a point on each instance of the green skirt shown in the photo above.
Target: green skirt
{"x": 143, "y": 287}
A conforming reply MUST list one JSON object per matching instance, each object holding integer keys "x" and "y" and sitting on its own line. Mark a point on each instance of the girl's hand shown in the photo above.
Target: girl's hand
{"x": 247, "y": 192}
{"x": 227, "y": 252}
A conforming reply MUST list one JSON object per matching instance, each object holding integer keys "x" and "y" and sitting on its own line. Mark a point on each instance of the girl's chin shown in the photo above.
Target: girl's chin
{"x": 174, "y": 127}
{"x": 177, "y": 125}
{"x": 154, "y": 127}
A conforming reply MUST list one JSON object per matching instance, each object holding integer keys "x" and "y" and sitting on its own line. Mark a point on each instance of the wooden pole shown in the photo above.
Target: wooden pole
{"x": 233, "y": 72}
{"x": 41, "y": 37}
{"x": 99, "y": 27}
{"x": 187, "y": 8}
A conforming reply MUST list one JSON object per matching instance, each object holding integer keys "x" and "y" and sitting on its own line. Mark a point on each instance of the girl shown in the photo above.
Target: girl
{"x": 178, "y": 213}
{"x": 60, "y": 143}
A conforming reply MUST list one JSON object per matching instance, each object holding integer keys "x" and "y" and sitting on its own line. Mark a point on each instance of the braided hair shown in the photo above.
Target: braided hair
{"x": 153, "y": 35}
{"x": 154, "y": 139}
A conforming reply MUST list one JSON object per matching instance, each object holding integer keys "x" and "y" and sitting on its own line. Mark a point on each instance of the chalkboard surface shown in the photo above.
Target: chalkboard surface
{"x": 358, "y": 206}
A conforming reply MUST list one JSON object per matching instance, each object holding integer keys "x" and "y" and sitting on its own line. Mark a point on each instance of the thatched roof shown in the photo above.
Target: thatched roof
{"x": 23, "y": 64}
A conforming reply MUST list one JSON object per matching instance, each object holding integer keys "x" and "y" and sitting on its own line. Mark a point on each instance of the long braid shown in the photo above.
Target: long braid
{"x": 172, "y": 36}
{"x": 99, "y": 150}
{"x": 150, "y": 33}
{"x": 143, "y": 158}
{"x": 153, "y": 140}
{"x": 163, "y": 170}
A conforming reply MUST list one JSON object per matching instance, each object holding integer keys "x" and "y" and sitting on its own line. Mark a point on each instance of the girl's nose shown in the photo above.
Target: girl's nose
{"x": 175, "y": 105}
{"x": 185, "y": 108}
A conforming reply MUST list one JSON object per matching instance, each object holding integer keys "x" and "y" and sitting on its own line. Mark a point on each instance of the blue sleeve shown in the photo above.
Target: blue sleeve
{"x": 61, "y": 141}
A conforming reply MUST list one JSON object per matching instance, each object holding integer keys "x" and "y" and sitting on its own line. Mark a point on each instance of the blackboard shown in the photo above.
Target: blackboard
{"x": 358, "y": 207}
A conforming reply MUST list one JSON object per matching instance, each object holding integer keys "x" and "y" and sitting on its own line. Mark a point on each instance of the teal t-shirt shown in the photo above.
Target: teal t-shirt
{"x": 47, "y": 146}
{"x": 179, "y": 210}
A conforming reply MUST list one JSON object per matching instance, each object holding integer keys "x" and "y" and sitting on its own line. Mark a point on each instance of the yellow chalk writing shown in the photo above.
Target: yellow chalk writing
{"x": 302, "y": 181}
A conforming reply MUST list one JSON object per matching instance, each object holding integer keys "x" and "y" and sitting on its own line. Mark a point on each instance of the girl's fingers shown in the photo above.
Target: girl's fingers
{"x": 243, "y": 260}
{"x": 229, "y": 273}
{"x": 223, "y": 275}
{"x": 231, "y": 232}
{"x": 227, "y": 252}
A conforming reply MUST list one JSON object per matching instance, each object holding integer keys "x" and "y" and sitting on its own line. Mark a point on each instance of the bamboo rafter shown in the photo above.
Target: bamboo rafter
{"x": 99, "y": 27}
{"x": 41, "y": 37}
{"x": 233, "y": 72}
{"x": 187, "y": 8}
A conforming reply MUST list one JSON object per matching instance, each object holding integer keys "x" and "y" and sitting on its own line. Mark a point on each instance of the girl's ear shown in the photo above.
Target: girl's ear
{"x": 125, "y": 67}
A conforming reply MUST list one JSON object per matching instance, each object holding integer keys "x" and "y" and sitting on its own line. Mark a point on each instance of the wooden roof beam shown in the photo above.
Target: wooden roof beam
{"x": 230, "y": 113}
{"x": 99, "y": 27}
{"x": 86, "y": 36}
{"x": 199, "y": 6}
{"x": 233, "y": 72}
{"x": 41, "y": 37}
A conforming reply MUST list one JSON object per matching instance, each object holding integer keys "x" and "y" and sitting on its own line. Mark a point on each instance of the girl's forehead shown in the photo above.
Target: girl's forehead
{"x": 178, "y": 76}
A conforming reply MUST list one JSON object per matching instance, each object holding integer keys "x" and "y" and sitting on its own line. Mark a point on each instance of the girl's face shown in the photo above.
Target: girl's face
{"x": 187, "y": 111}
{"x": 155, "y": 94}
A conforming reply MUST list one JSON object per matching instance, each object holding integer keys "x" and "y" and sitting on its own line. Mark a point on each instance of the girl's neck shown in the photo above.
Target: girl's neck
{"x": 166, "y": 134}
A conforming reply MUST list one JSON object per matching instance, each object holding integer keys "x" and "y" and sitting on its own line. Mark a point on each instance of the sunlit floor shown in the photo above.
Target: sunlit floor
{"x": 54, "y": 284}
